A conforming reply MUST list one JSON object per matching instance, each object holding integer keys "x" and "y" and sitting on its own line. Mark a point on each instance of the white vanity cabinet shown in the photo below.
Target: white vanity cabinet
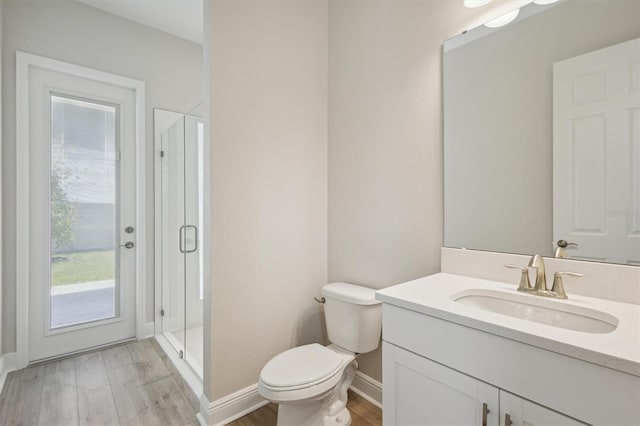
{"x": 418, "y": 391}
{"x": 439, "y": 371}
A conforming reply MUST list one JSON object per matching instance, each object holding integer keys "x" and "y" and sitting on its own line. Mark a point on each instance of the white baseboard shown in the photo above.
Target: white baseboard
{"x": 7, "y": 365}
{"x": 368, "y": 388}
{"x": 149, "y": 329}
{"x": 230, "y": 407}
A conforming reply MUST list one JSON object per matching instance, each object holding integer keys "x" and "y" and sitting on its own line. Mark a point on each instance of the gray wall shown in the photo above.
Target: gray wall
{"x": 499, "y": 127}
{"x": 385, "y": 138}
{"x": 75, "y": 33}
{"x": 268, "y": 135}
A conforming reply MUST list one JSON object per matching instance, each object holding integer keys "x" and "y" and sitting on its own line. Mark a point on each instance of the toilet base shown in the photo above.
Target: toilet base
{"x": 341, "y": 419}
{"x": 310, "y": 413}
{"x": 329, "y": 409}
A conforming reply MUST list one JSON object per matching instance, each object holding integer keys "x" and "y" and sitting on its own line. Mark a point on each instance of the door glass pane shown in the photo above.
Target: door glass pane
{"x": 83, "y": 211}
{"x": 194, "y": 176}
{"x": 201, "y": 208}
{"x": 173, "y": 235}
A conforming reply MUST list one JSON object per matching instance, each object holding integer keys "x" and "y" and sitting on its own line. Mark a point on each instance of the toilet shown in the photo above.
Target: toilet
{"x": 310, "y": 382}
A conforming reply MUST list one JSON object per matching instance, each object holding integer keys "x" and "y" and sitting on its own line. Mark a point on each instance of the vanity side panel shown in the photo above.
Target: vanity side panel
{"x": 585, "y": 391}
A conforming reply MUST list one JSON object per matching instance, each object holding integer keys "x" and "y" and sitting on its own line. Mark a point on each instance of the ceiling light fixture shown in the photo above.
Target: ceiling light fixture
{"x": 472, "y": 4}
{"x": 503, "y": 20}
{"x": 544, "y": 2}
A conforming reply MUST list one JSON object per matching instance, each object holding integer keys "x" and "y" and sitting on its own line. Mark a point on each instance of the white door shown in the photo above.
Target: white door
{"x": 82, "y": 137}
{"x": 515, "y": 411}
{"x": 596, "y": 153}
{"x": 418, "y": 391}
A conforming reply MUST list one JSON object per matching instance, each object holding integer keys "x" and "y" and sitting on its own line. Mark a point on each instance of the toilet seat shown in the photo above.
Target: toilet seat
{"x": 302, "y": 372}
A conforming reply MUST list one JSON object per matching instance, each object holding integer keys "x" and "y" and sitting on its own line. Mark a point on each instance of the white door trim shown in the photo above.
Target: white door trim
{"x": 24, "y": 61}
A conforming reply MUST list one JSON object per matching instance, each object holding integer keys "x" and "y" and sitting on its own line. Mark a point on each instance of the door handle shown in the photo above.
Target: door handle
{"x": 195, "y": 230}
{"x": 507, "y": 419}
{"x": 127, "y": 245}
{"x": 485, "y": 413}
{"x": 183, "y": 232}
{"x": 565, "y": 244}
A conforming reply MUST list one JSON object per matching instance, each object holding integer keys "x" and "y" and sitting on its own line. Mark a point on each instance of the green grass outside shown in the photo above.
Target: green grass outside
{"x": 72, "y": 268}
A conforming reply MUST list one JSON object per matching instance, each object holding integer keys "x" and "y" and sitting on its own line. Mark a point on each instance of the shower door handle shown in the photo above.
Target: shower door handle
{"x": 195, "y": 237}
{"x": 183, "y": 233}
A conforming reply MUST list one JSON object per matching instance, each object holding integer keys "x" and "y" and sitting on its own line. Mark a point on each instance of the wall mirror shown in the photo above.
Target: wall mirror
{"x": 542, "y": 133}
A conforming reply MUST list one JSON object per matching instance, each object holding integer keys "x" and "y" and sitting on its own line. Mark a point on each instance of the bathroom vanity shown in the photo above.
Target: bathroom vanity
{"x": 468, "y": 351}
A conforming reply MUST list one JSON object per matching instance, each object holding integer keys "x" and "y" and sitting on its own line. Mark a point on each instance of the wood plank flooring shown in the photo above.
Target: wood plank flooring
{"x": 363, "y": 413}
{"x": 129, "y": 384}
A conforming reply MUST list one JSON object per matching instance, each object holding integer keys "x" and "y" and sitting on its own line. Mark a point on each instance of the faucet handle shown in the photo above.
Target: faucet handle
{"x": 525, "y": 284}
{"x": 558, "y": 287}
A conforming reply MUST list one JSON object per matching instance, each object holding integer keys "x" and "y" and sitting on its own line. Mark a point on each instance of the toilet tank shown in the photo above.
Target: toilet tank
{"x": 353, "y": 316}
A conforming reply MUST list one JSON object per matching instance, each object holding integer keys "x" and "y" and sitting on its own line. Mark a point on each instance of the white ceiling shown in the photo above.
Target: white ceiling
{"x": 182, "y": 18}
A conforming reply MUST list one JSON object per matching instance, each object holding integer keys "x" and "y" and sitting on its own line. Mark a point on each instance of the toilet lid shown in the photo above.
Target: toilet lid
{"x": 300, "y": 366}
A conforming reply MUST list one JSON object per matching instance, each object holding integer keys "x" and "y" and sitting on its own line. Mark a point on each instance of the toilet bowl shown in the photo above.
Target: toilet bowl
{"x": 310, "y": 382}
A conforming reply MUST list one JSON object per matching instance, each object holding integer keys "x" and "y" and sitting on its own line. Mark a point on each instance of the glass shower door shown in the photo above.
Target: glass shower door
{"x": 193, "y": 196}
{"x": 173, "y": 220}
{"x": 182, "y": 262}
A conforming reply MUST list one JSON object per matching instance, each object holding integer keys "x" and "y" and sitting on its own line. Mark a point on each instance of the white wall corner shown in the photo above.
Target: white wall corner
{"x": 149, "y": 329}
{"x": 231, "y": 407}
{"x": 7, "y": 365}
{"x": 368, "y": 388}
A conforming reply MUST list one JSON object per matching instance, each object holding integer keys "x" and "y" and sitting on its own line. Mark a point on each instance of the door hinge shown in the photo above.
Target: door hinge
{"x": 161, "y": 312}
{"x": 161, "y": 153}
{"x": 181, "y": 355}
{"x": 118, "y": 156}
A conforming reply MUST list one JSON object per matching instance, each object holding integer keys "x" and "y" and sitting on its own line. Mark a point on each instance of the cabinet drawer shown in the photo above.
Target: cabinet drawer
{"x": 521, "y": 412}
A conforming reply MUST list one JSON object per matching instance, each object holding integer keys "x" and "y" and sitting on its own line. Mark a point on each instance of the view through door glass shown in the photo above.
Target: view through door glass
{"x": 83, "y": 211}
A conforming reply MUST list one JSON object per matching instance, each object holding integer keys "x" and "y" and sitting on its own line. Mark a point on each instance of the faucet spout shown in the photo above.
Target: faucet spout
{"x": 541, "y": 277}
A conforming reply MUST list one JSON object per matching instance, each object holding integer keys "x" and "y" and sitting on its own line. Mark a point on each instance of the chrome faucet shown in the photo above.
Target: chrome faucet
{"x": 541, "y": 277}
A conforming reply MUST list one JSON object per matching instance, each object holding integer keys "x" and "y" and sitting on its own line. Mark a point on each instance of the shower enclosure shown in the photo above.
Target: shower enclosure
{"x": 180, "y": 233}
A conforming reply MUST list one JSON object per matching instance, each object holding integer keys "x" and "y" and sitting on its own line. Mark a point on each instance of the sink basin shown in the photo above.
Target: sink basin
{"x": 538, "y": 309}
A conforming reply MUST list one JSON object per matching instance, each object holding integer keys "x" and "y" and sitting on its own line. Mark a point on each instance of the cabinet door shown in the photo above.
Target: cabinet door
{"x": 418, "y": 391}
{"x": 515, "y": 411}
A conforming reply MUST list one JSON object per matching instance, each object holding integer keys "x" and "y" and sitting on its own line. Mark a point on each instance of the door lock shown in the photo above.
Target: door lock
{"x": 128, "y": 245}
{"x": 128, "y": 229}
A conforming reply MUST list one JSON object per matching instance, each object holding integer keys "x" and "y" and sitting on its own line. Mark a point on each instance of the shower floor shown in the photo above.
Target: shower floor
{"x": 194, "y": 347}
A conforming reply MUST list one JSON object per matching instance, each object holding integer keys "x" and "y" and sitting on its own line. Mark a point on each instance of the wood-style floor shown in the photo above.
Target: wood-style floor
{"x": 130, "y": 384}
{"x": 363, "y": 413}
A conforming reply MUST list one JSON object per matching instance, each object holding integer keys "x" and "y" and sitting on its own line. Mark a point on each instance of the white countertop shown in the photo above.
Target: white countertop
{"x": 433, "y": 295}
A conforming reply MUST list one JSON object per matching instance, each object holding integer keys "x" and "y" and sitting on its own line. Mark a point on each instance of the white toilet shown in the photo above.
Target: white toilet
{"x": 310, "y": 382}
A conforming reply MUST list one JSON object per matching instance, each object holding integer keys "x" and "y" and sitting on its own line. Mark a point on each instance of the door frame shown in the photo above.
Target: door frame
{"x": 25, "y": 61}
